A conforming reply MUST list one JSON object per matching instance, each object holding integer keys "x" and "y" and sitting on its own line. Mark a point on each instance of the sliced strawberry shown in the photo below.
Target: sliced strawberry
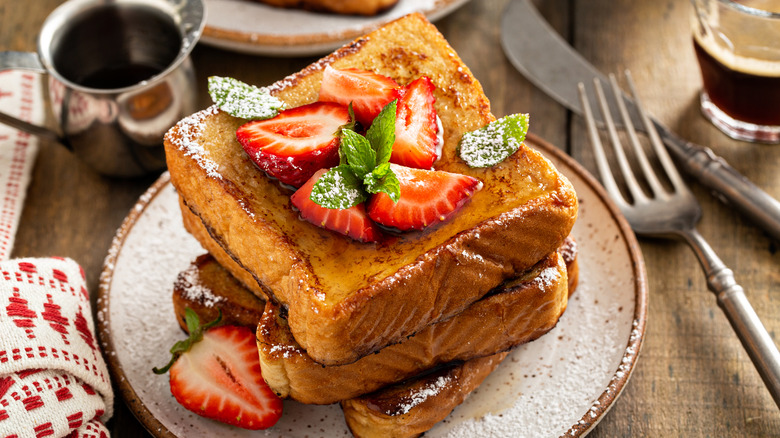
{"x": 415, "y": 126}
{"x": 369, "y": 92}
{"x": 352, "y": 222}
{"x": 219, "y": 378}
{"x": 427, "y": 197}
{"x": 297, "y": 142}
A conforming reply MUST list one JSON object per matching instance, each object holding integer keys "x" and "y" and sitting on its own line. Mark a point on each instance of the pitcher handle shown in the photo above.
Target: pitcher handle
{"x": 26, "y": 61}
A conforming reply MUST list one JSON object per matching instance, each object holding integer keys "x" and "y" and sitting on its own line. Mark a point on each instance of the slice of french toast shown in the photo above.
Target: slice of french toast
{"x": 346, "y": 299}
{"x": 519, "y": 311}
{"x": 410, "y": 408}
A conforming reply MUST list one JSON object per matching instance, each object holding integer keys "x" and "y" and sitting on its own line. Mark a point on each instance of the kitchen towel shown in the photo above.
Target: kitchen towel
{"x": 53, "y": 379}
{"x": 21, "y": 96}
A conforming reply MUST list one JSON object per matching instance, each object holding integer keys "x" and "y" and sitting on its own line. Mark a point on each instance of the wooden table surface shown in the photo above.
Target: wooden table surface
{"x": 693, "y": 378}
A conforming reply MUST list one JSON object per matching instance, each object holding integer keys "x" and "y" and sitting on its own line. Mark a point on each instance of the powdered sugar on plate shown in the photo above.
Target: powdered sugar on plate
{"x": 559, "y": 385}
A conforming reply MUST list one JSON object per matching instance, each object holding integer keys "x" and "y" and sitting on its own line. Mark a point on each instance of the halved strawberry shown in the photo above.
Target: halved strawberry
{"x": 415, "y": 126}
{"x": 297, "y": 142}
{"x": 369, "y": 92}
{"x": 427, "y": 197}
{"x": 219, "y": 378}
{"x": 352, "y": 222}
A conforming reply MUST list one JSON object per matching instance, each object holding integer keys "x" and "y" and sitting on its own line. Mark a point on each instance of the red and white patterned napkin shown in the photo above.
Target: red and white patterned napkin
{"x": 21, "y": 97}
{"x": 53, "y": 379}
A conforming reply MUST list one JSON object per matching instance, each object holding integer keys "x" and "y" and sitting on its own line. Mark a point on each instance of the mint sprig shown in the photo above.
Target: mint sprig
{"x": 494, "y": 142}
{"x": 365, "y": 165}
{"x": 243, "y": 100}
{"x": 196, "y": 334}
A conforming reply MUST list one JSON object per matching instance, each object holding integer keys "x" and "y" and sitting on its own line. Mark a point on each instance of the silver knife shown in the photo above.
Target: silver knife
{"x": 550, "y": 63}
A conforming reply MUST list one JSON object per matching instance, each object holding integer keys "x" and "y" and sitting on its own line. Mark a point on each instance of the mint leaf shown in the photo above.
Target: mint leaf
{"x": 388, "y": 183}
{"x": 243, "y": 100}
{"x": 339, "y": 188}
{"x": 381, "y": 133}
{"x": 361, "y": 158}
{"x": 494, "y": 142}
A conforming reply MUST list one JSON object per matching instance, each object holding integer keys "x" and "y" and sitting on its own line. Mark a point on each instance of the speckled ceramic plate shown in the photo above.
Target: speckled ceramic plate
{"x": 252, "y": 27}
{"x": 559, "y": 385}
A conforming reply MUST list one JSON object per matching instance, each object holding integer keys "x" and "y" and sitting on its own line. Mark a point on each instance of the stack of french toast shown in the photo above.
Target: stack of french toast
{"x": 401, "y": 327}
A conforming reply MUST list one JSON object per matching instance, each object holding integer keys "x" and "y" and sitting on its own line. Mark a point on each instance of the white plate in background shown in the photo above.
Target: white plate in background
{"x": 249, "y": 26}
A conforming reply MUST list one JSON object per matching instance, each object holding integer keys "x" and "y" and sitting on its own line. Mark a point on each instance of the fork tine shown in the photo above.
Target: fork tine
{"x": 657, "y": 189}
{"x": 625, "y": 168}
{"x": 607, "y": 179}
{"x": 655, "y": 140}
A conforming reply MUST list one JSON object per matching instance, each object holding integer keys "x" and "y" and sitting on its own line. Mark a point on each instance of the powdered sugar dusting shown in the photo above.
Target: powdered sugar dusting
{"x": 548, "y": 277}
{"x": 189, "y": 131}
{"x": 193, "y": 289}
{"x": 287, "y": 351}
{"x": 494, "y": 142}
{"x": 243, "y": 100}
{"x": 429, "y": 390}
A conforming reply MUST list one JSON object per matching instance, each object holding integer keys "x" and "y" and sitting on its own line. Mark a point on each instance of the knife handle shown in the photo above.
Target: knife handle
{"x": 729, "y": 186}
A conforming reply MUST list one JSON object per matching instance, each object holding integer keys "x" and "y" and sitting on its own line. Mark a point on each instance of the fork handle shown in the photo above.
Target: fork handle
{"x": 744, "y": 320}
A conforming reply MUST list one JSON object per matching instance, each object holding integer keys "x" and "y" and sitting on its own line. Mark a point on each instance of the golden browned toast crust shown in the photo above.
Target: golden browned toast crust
{"x": 346, "y": 7}
{"x": 523, "y": 310}
{"x": 197, "y": 229}
{"x": 347, "y": 299}
{"x": 410, "y": 408}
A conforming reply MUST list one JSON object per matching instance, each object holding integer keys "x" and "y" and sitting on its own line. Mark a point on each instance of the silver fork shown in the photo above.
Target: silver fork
{"x": 675, "y": 213}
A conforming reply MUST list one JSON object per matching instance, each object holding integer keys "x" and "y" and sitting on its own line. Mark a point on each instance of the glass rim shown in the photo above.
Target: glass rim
{"x": 750, "y": 10}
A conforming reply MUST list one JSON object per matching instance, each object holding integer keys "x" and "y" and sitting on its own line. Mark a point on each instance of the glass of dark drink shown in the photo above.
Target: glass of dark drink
{"x": 737, "y": 44}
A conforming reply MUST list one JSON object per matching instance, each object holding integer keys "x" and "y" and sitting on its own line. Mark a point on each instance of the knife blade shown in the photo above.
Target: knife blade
{"x": 551, "y": 64}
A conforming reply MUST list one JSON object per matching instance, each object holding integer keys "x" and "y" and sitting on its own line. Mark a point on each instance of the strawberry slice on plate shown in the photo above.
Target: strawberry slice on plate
{"x": 415, "y": 126}
{"x": 367, "y": 91}
{"x": 352, "y": 222}
{"x": 297, "y": 142}
{"x": 427, "y": 197}
{"x": 216, "y": 374}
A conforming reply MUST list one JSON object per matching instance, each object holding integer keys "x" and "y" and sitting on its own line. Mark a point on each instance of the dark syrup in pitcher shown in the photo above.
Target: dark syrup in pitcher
{"x": 119, "y": 76}
{"x": 116, "y": 45}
